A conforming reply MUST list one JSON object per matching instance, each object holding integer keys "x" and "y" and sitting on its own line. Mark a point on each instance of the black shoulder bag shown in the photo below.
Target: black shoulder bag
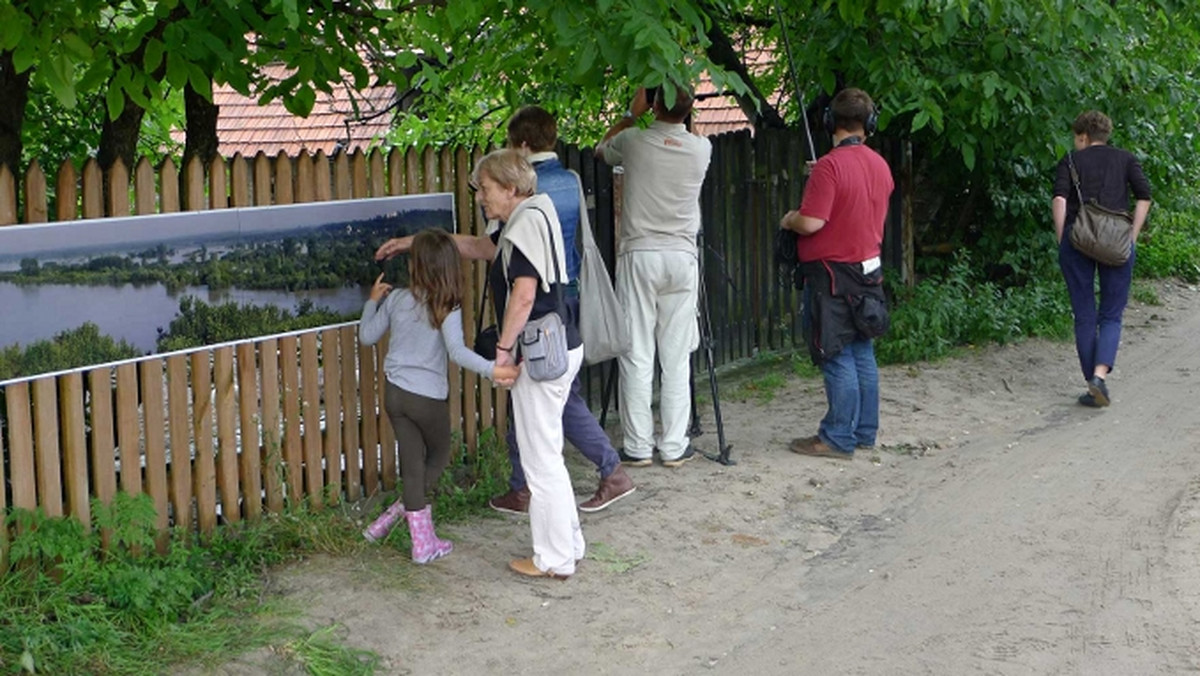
{"x": 487, "y": 339}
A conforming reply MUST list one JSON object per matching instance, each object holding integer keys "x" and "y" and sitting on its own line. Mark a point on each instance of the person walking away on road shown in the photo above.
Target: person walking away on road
{"x": 1107, "y": 175}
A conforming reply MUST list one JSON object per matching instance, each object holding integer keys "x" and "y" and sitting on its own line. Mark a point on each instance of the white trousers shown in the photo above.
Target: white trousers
{"x": 660, "y": 291}
{"x": 537, "y": 412}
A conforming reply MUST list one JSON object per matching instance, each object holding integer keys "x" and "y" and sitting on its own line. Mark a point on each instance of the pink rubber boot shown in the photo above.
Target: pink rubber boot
{"x": 380, "y": 527}
{"x": 425, "y": 543}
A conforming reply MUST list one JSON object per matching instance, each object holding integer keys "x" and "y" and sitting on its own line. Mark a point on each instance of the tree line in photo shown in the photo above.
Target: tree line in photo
{"x": 329, "y": 257}
{"x": 197, "y": 323}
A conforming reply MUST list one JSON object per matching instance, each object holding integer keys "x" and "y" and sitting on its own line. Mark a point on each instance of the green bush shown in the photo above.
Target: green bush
{"x": 961, "y": 307}
{"x": 1169, "y": 246}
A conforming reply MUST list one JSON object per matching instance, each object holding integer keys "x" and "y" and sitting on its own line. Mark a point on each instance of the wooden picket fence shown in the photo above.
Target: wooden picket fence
{"x": 297, "y": 417}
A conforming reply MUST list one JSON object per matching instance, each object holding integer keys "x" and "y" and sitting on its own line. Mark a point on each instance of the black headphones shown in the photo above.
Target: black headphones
{"x": 869, "y": 126}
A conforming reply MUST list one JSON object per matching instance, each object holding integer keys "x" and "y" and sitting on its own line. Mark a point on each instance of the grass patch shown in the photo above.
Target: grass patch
{"x": 761, "y": 389}
{"x": 613, "y": 561}
{"x": 69, "y": 604}
{"x": 761, "y": 377}
{"x": 1145, "y": 293}
{"x": 472, "y": 479}
{"x": 803, "y": 367}
{"x": 321, "y": 653}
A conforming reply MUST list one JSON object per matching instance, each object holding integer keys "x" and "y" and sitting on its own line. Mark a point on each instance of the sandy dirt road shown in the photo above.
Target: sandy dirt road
{"x": 999, "y": 528}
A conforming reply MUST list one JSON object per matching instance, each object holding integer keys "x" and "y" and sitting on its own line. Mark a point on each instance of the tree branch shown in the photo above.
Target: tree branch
{"x": 721, "y": 52}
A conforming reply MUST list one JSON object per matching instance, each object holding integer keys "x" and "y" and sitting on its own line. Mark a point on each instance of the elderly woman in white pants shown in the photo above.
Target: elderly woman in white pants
{"x": 529, "y": 266}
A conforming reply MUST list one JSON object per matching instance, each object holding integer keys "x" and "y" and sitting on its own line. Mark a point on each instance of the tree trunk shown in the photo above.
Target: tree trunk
{"x": 118, "y": 140}
{"x": 119, "y": 137}
{"x": 14, "y": 92}
{"x": 202, "y": 140}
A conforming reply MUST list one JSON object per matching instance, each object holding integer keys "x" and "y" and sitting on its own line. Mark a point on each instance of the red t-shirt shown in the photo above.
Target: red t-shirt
{"x": 848, "y": 189}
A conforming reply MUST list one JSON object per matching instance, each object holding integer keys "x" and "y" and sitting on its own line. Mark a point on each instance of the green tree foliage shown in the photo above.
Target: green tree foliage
{"x": 461, "y": 63}
{"x": 474, "y": 62}
{"x": 67, "y": 350}
{"x": 199, "y": 323}
{"x": 144, "y": 54}
{"x": 986, "y": 91}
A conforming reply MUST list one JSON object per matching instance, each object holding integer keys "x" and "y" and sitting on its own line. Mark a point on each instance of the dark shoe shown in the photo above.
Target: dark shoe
{"x": 627, "y": 459}
{"x": 688, "y": 454}
{"x": 803, "y": 441}
{"x": 814, "y": 446}
{"x": 612, "y": 488}
{"x": 526, "y": 567}
{"x": 1098, "y": 391}
{"x": 512, "y": 502}
{"x": 1088, "y": 400}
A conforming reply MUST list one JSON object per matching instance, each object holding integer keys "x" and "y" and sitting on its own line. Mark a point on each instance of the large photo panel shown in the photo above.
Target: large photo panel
{"x": 85, "y": 292}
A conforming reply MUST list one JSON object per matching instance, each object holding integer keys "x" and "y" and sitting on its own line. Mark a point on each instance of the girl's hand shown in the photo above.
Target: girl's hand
{"x": 380, "y": 289}
{"x": 505, "y": 375}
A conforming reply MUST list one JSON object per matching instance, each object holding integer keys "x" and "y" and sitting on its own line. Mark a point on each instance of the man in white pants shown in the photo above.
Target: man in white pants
{"x": 658, "y": 268}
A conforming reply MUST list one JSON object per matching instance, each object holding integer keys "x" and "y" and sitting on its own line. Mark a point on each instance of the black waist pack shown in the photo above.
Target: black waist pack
{"x": 486, "y": 341}
{"x": 787, "y": 263}
{"x": 846, "y": 304}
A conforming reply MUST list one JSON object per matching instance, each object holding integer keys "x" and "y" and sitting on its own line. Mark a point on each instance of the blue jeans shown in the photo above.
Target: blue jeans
{"x": 852, "y": 390}
{"x": 1097, "y": 329}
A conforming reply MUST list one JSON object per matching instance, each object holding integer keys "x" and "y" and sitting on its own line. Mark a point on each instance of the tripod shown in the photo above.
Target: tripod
{"x": 706, "y": 344}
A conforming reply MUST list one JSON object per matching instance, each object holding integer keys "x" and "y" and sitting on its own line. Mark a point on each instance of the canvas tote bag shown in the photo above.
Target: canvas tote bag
{"x": 603, "y": 321}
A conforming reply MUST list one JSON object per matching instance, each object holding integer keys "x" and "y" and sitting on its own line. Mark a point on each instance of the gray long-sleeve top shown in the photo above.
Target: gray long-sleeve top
{"x": 416, "y": 356}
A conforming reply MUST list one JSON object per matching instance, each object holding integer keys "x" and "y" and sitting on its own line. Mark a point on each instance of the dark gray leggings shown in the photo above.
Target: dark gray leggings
{"x": 422, "y": 427}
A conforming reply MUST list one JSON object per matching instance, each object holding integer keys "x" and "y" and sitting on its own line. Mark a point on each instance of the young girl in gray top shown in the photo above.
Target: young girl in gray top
{"x": 426, "y": 327}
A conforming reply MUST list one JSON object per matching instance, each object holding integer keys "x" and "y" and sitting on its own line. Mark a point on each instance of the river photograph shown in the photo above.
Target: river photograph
{"x": 150, "y": 284}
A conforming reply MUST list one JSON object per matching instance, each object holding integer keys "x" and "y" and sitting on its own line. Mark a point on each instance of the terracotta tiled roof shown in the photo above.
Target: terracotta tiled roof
{"x": 245, "y": 127}
{"x": 720, "y": 114}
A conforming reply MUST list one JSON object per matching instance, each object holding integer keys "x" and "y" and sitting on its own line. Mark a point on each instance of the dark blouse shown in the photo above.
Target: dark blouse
{"x": 1106, "y": 174}
{"x": 543, "y": 303}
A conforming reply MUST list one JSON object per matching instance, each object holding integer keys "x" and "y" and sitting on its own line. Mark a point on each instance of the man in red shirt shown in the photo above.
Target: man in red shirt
{"x": 840, "y": 223}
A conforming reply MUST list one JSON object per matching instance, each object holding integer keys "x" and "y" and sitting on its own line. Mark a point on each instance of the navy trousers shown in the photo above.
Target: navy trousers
{"x": 1097, "y": 326}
